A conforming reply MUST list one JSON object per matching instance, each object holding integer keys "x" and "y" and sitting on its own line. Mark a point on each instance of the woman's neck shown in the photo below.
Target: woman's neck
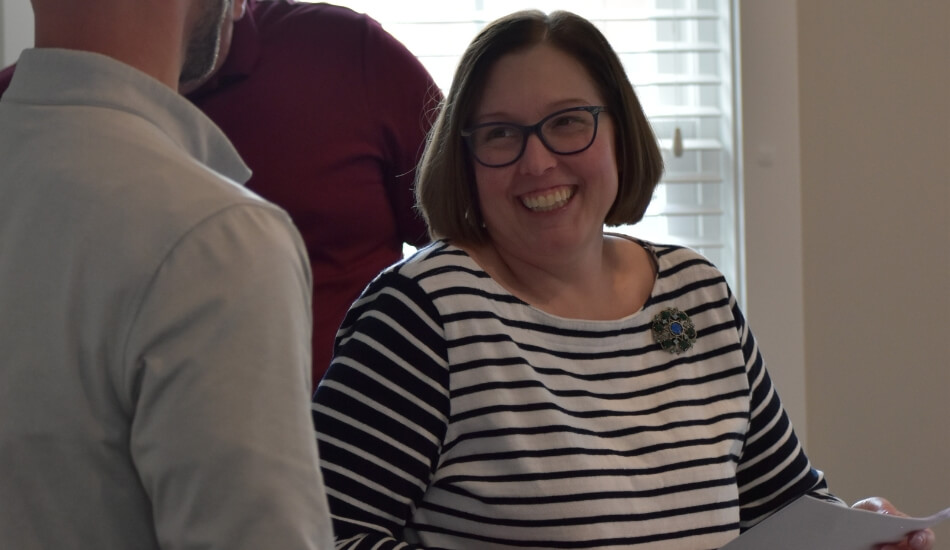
{"x": 606, "y": 282}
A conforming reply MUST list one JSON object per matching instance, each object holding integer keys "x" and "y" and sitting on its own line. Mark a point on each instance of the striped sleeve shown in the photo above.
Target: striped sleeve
{"x": 773, "y": 469}
{"x": 381, "y": 413}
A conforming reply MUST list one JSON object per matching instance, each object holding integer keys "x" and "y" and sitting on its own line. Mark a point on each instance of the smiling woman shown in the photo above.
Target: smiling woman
{"x": 679, "y": 56}
{"x": 525, "y": 85}
{"x": 528, "y": 380}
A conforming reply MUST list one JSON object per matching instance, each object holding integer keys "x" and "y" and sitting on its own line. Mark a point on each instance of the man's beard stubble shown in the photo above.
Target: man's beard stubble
{"x": 204, "y": 42}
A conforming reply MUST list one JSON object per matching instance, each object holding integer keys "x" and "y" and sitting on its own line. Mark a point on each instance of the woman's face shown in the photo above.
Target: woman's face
{"x": 545, "y": 203}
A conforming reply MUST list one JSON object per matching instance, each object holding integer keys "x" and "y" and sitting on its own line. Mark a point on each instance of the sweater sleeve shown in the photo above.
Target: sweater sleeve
{"x": 773, "y": 469}
{"x": 381, "y": 413}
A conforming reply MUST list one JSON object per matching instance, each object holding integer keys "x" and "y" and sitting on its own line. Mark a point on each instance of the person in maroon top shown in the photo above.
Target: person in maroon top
{"x": 330, "y": 112}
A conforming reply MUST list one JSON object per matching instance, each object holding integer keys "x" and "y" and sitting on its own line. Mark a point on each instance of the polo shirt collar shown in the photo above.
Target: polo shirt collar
{"x": 59, "y": 77}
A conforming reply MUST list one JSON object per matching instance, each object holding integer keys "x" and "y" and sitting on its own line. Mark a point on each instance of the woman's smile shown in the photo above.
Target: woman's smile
{"x": 548, "y": 199}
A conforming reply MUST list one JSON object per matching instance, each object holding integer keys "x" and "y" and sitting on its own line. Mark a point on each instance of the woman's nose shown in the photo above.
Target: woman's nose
{"x": 537, "y": 158}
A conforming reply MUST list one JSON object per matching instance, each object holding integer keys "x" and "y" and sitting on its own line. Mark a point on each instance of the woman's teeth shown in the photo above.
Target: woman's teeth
{"x": 548, "y": 201}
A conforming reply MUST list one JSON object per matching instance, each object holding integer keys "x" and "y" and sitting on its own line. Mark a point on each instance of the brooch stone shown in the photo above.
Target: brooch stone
{"x": 673, "y": 330}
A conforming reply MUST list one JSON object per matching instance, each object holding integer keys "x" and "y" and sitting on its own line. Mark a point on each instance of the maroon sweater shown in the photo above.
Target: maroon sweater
{"x": 330, "y": 113}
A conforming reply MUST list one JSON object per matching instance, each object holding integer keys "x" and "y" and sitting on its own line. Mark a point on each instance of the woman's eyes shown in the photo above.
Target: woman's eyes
{"x": 565, "y": 121}
{"x": 500, "y": 132}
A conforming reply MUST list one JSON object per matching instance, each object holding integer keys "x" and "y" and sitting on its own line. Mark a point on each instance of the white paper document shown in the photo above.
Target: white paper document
{"x": 813, "y": 524}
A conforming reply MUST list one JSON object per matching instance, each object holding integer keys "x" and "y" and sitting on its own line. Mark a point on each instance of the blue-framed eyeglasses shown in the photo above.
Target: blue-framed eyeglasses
{"x": 565, "y": 132}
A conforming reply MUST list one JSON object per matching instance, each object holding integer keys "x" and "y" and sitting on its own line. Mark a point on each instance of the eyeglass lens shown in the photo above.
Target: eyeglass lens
{"x": 565, "y": 132}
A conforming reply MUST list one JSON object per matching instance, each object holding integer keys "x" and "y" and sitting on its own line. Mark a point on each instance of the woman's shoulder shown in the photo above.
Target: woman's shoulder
{"x": 671, "y": 256}
{"x": 439, "y": 263}
{"x": 438, "y": 279}
{"x": 682, "y": 271}
{"x": 678, "y": 257}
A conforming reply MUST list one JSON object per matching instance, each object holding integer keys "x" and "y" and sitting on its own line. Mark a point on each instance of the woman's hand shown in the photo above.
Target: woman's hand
{"x": 918, "y": 540}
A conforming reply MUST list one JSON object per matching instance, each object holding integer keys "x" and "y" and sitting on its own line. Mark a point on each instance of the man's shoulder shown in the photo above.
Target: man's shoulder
{"x": 124, "y": 170}
{"x": 168, "y": 184}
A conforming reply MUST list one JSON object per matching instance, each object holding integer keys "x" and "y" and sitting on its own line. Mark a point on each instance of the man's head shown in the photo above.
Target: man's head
{"x": 204, "y": 39}
{"x": 210, "y": 40}
{"x": 171, "y": 40}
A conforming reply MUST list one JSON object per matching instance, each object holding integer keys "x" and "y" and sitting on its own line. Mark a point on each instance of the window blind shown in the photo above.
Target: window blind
{"x": 678, "y": 54}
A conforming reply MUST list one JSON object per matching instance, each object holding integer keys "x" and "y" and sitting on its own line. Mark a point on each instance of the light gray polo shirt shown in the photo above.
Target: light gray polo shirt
{"x": 154, "y": 326}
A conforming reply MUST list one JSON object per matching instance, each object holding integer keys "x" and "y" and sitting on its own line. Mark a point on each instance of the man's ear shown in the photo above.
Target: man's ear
{"x": 238, "y": 9}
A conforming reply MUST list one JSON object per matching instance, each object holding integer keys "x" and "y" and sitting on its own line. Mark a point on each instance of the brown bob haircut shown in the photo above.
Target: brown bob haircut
{"x": 445, "y": 189}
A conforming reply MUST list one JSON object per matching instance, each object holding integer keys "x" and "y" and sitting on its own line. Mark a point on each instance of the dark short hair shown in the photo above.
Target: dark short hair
{"x": 445, "y": 189}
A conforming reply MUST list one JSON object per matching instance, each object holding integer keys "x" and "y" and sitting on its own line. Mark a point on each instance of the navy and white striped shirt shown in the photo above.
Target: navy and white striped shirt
{"x": 455, "y": 415}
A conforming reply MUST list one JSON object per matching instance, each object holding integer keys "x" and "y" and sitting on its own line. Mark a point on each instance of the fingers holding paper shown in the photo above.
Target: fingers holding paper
{"x": 916, "y": 540}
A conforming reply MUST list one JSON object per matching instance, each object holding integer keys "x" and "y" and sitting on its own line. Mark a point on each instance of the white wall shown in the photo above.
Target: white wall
{"x": 16, "y": 29}
{"x": 846, "y": 128}
{"x": 875, "y": 152}
{"x": 771, "y": 191}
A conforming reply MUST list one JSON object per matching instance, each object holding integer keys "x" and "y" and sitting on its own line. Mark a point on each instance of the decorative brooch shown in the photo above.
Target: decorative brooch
{"x": 673, "y": 330}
